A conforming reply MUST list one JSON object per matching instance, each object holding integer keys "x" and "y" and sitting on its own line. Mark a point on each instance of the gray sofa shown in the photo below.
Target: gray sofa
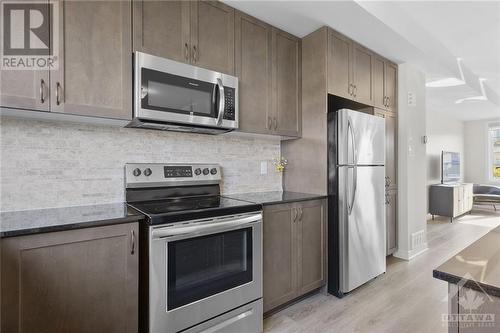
{"x": 487, "y": 195}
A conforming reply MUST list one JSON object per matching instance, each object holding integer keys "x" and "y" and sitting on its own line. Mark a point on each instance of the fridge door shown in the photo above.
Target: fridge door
{"x": 362, "y": 225}
{"x": 361, "y": 138}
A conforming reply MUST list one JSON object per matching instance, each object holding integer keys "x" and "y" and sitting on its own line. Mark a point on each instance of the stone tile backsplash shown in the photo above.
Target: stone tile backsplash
{"x": 59, "y": 164}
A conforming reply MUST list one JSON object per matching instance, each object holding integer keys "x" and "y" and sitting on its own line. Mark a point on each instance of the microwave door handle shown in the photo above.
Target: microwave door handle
{"x": 222, "y": 102}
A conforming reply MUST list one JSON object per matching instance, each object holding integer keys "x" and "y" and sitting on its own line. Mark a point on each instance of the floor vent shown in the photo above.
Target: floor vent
{"x": 417, "y": 239}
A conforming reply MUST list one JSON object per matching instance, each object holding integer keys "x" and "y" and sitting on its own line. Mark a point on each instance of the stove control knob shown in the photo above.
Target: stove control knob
{"x": 206, "y": 171}
{"x": 137, "y": 172}
{"x": 213, "y": 171}
{"x": 197, "y": 171}
{"x": 147, "y": 172}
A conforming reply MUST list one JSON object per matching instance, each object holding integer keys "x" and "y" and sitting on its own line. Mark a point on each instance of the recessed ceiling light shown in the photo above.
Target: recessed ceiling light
{"x": 450, "y": 81}
{"x": 475, "y": 98}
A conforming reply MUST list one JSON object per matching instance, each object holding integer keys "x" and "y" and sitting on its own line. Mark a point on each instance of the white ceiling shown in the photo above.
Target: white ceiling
{"x": 429, "y": 34}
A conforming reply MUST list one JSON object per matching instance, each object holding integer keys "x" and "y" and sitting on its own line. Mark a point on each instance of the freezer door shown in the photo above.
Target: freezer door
{"x": 361, "y": 138}
{"x": 362, "y": 225}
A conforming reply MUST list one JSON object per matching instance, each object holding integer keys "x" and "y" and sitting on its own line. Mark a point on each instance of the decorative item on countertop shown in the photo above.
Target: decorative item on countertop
{"x": 280, "y": 164}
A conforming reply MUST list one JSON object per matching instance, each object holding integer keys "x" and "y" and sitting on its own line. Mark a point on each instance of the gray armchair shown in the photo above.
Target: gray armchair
{"x": 487, "y": 195}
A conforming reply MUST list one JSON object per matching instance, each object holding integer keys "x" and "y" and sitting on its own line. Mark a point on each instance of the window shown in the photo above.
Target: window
{"x": 494, "y": 147}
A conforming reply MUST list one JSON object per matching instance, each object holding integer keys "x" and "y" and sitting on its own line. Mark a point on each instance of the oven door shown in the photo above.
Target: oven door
{"x": 172, "y": 92}
{"x": 202, "y": 269}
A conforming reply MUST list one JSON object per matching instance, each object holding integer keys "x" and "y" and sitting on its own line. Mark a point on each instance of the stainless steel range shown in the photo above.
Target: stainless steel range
{"x": 201, "y": 252}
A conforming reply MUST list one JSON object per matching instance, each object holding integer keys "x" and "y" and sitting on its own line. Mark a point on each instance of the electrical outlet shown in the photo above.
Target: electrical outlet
{"x": 263, "y": 167}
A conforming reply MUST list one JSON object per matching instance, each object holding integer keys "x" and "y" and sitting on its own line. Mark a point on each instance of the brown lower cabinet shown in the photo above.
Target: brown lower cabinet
{"x": 294, "y": 250}
{"x": 79, "y": 281}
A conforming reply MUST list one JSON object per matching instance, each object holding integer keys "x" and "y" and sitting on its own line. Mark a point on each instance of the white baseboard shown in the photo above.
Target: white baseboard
{"x": 410, "y": 254}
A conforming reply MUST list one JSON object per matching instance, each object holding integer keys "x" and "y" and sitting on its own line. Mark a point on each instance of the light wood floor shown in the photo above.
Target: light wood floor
{"x": 405, "y": 299}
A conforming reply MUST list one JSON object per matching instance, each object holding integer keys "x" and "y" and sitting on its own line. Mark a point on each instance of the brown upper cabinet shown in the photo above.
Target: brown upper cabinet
{"x": 385, "y": 84}
{"x": 268, "y": 64}
{"x": 391, "y": 86}
{"x": 362, "y": 69}
{"x": 26, "y": 89}
{"x": 195, "y": 32}
{"x": 356, "y": 73}
{"x": 350, "y": 69}
{"x": 339, "y": 65}
{"x": 94, "y": 76}
{"x": 253, "y": 68}
{"x": 286, "y": 84}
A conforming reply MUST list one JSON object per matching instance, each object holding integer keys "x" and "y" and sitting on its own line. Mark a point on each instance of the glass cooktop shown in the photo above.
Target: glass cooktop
{"x": 187, "y": 208}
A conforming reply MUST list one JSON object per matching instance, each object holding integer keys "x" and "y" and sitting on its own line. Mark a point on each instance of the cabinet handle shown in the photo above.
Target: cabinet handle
{"x": 387, "y": 199}
{"x": 349, "y": 91}
{"x": 58, "y": 87}
{"x": 186, "y": 51}
{"x": 388, "y": 102}
{"x": 42, "y": 91}
{"x": 294, "y": 214}
{"x": 132, "y": 240}
{"x": 300, "y": 214}
{"x": 355, "y": 91}
{"x": 275, "y": 123}
{"x": 195, "y": 54}
{"x": 269, "y": 123}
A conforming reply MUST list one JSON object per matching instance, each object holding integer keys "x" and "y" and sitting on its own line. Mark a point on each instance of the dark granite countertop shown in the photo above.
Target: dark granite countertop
{"x": 477, "y": 266}
{"x": 17, "y": 223}
{"x": 274, "y": 197}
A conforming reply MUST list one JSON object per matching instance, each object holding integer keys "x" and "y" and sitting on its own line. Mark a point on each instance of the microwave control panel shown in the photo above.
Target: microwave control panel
{"x": 229, "y": 103}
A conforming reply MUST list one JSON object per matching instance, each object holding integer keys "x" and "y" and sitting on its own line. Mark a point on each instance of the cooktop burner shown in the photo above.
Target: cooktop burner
{"x": 168, "y": 193}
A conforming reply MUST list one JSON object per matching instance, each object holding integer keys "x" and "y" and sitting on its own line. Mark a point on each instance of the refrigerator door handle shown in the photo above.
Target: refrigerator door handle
{"x": 350, "y": 131}
{"x": 355, "y": 167}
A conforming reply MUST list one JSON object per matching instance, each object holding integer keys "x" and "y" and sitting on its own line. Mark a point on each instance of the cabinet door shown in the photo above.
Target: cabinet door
{"x": 391, "y": 138}
{"x": 391, "y": 150}
{"x": 253, "y": 69}
{"x": 378, "y": 83}
{"x": 339, "y": 65}
{"x": 212, "y": 36}
{"x": 280, "y": 255}
{"x": 71, "y": 281}
{"x": 161, "y": 28}
{"x": 95, "y": 72}
{"x": 391, "y": 202}
{"x": 362, "y": 74}
{"x": 286, "y": 84}
{"x": 26, "y": 89}
{"x": 391, "y": 85}
{"x": 312, "y": 228}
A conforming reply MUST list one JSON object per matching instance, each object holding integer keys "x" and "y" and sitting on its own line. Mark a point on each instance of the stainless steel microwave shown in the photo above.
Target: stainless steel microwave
{"x": 169, "y": 95}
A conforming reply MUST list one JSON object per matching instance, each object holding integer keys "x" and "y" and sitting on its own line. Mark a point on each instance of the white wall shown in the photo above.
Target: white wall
{"x": 412, "y": 174}
{"x": 476, "y": 152}
{"x": 59, "y": 164}
{"x": 444, "y": 133}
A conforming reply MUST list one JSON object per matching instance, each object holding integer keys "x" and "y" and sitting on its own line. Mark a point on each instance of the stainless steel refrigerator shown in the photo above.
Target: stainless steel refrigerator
{"x": 356, "y": 205}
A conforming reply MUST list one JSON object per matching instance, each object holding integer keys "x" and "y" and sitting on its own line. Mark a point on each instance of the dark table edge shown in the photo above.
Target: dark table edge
{"x": 472, "y": 284}
{"x": 72, "y": 226}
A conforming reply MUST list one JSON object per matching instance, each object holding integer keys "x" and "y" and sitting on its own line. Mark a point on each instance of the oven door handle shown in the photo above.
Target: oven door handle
{"x": 205, "y": 228}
